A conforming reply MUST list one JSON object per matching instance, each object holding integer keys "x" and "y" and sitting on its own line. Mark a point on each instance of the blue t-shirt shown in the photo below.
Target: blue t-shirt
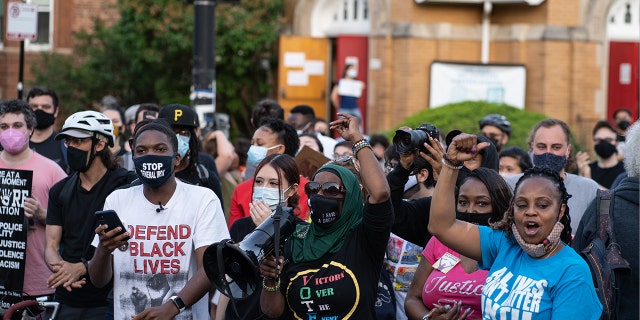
{"x": 521, "y": 287}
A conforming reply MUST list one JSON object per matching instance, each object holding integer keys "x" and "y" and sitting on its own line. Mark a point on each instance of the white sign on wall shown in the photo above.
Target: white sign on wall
{"x": 457, "y": 82}
{"x": 22, "y": 21}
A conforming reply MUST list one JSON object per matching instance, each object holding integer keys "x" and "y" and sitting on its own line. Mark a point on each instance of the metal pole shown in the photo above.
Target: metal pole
{"x": 21, "y": 70}
{"x": 204, "y": 73}
{"x": 486, "y": 31}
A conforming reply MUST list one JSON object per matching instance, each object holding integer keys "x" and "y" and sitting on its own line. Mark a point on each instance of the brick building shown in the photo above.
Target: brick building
{"x": 570, "y": 49}
{"x": 58, "y": 20}
{"x": 581, "y": 56}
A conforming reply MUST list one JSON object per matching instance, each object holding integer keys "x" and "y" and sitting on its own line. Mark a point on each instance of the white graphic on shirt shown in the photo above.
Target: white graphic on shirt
{"x": 506, "y": 299}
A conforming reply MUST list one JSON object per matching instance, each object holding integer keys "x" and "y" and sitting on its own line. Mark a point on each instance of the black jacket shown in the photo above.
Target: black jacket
{"x": 623, "y": 214}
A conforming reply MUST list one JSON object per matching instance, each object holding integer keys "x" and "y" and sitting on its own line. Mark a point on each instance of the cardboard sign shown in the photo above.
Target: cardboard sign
{"x": 15, "y": 188}
{"x": 309, "y": 160}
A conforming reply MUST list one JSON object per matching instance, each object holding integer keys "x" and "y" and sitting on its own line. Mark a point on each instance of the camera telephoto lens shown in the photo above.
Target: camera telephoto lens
{"x": 410, "y": 140}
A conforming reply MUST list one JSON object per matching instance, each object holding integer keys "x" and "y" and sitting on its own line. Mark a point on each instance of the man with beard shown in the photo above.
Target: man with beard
{"x": 497, "y": 128}
{"x": 549, "y": 142}
{"x": 44, "y": 103}
{"x": 607, "y": 167}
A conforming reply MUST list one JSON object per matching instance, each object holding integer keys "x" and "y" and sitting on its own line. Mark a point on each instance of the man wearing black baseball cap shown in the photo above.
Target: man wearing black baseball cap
{"x": 192, "y": 169}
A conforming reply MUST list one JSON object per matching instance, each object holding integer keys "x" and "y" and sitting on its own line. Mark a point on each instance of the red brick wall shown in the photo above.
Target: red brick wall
{"x": 70, "y": 16}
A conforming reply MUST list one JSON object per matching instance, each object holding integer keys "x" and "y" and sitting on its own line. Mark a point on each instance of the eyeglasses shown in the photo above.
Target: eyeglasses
{"x": 71, "y": 141}
{"x": 331, "y": 189}
{"x": 338, "y": 155}
{"x": 346, "y": 160}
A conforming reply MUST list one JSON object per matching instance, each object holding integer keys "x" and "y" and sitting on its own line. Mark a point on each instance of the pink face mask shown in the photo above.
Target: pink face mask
{"x": 13, "y": 140}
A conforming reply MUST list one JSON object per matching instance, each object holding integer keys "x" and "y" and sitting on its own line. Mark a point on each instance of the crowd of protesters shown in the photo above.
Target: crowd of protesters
{"x": 460, "y": 226}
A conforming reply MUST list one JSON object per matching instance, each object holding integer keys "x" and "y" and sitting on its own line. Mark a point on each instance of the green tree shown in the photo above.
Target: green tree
{"x": 146, "y": 56}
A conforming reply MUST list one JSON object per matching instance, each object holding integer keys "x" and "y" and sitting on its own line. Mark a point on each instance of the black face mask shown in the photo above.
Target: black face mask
{"x": 324, "y": 210}
{"x": 77, "y": 159}
{"x": 475, "y": 218}
{"x": 623, "y": 125}
{"x": 44, "y": 119}
{"x": 550, "y": 160}
{"x": 496, "y": 143}
{"x": 605, "y": 149}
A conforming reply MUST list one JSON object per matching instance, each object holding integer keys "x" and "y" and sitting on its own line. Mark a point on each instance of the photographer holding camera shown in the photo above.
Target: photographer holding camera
{"x": 422, "y": 142}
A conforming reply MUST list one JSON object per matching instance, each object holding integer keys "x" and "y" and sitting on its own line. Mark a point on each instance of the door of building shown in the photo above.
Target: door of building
{"x": 354, "y": 50}
{"x": 302, "y": 73}
{"x": 623, "y": 77}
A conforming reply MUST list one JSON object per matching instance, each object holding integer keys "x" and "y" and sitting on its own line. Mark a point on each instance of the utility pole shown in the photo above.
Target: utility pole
{"x": 203, "y": 89}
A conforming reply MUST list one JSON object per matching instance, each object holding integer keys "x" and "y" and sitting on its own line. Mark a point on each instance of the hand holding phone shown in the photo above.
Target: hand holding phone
{"x": 111, "y": 219}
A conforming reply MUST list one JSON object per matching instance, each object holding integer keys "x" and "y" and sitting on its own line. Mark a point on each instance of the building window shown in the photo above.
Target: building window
{"x": 624, "y": 22}
{"x": 45, "y": 26}
{"x": 352, "y": 10}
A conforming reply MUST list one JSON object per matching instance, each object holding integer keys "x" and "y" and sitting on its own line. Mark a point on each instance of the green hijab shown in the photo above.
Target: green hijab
{"x": 319, "y": 240}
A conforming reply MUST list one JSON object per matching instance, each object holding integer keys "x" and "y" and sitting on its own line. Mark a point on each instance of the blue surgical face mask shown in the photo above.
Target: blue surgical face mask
{"x": 257, "y": 153}
{"x": 183, "y": 145}
{"x": 550, "y": 160}
{"x": 270, "y": 196}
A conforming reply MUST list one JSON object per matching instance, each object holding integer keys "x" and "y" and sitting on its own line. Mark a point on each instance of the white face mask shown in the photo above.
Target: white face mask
{"x": 270, "y": 196}
{"x": 352, "y": 73}
{"x": 505, "y": 175}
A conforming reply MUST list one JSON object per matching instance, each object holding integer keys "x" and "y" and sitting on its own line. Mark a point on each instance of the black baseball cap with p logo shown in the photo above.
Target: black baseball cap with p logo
{"x": 179, "y": 115}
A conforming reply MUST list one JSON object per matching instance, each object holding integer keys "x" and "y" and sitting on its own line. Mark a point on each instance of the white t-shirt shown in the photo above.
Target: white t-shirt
{"x": 161, "y": 256}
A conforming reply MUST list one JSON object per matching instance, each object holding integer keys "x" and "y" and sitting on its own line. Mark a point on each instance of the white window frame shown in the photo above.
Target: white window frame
{"x": 328, "y": 18}
{"x": 619, "y": 30}
{"x": 29, "y": 46}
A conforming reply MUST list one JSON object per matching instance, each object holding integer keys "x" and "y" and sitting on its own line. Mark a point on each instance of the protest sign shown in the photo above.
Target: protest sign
{"x": 15, "y": 188}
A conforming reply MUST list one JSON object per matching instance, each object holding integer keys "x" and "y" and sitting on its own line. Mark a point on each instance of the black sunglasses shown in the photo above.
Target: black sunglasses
{"x": 330, "y": 189}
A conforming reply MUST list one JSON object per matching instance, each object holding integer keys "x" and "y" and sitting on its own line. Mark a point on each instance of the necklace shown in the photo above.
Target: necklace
{"x": 552, "y": 251}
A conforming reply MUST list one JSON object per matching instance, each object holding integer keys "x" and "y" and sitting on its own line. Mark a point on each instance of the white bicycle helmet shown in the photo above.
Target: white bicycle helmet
{"x": 80, "y": 123}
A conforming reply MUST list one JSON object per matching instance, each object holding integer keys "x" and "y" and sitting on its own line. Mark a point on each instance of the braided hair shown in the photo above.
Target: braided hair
{"x": 554, "y": 177}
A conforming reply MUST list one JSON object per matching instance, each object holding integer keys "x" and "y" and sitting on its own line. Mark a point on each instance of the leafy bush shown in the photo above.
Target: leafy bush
{"x": 465, "y": 116}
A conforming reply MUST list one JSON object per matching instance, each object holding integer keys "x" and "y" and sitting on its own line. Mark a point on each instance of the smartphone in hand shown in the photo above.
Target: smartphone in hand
{"x": 111, "y": 219}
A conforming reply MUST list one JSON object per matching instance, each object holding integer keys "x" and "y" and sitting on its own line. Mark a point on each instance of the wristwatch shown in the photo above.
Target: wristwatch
{"x": 178, "y": 303}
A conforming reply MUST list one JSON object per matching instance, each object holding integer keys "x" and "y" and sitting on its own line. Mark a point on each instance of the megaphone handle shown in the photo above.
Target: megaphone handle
{"x": 276, "y": 234}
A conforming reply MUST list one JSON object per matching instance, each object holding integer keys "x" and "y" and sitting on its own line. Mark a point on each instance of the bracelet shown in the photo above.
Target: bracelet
{"x": 268, "y": 288}
{"x": 359, "y": 145}
{"x": 450, "y": 165}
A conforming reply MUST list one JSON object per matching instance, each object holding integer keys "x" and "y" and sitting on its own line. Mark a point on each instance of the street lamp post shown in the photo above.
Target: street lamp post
{"x": 203, "y": 90}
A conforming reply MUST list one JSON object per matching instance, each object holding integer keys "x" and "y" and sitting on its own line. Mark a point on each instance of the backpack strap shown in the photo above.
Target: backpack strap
{"x": 604, "y": 223}
{"x": 67, "y": 191}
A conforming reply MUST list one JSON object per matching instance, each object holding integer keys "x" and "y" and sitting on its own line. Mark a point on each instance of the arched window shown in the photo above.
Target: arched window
{"x": 334, "y": 17}
{"x": 623, "y": 22}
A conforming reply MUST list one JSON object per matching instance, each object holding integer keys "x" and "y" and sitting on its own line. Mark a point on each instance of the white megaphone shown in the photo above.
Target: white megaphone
{"x": 234, "y": 267}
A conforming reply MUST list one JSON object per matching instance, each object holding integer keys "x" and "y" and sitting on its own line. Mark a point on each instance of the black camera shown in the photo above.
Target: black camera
{"x": 409, "y": 140}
